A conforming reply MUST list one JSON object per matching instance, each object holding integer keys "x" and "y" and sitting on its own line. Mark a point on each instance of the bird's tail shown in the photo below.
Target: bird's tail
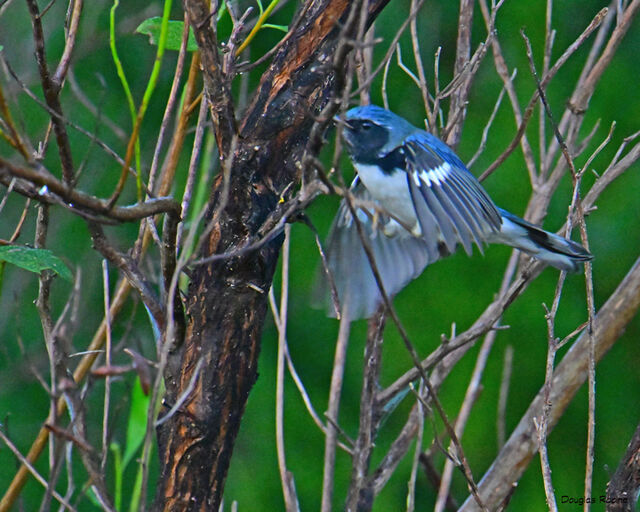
{"x": 547, "y": 247}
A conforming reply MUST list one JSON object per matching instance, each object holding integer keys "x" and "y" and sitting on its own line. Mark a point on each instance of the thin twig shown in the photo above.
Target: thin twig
{"x": 25, "y": 461}
{"x": 332, "y": 412}
{"x": 43, "y": 305}
{"x": 417, "y": 57}
{"x": 171, "y": 104}
{"x": 286, "y": 477}
{"x": 79, "y": 374}
{"x": 485, "y": 132}
{"x": 41, "y": 177}
{"x": 108, "y": 359}
{"x": 458, "y": 103}
{"x": 369, "y": 413}
{"x": 20, "y": 224}
{"x": 470, "y": 397}
{"x": 298, "y": 381}
{"x": 411, "y": 349}
{"x": 130, "y": 269}
{"x": 392, "y": 47}
{"x": 196, "y": 153}
{"x": 411, "y": 491}
{"x": 184, "y": 396}
{"x": 544, "y": 81}
{"x": 505, "y": 381}
{"x": 51, "y": 86}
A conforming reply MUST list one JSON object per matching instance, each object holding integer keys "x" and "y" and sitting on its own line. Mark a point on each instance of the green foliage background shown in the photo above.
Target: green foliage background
{"x": 454, "y": 290}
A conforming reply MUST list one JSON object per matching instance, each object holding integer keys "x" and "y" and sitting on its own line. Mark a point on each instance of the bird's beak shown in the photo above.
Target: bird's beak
{"x": 341, "y": 121}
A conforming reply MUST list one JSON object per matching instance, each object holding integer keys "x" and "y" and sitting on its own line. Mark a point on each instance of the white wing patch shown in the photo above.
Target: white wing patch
{"x": 435, "y": 176}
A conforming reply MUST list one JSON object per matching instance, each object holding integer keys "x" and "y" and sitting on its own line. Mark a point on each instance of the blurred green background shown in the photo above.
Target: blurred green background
{"x": 454, "y": 290}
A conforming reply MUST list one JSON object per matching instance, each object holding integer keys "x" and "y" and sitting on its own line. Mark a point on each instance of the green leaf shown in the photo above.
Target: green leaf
{"x": 35, "y": 260}
{"x": 93, "y": 498}
{"x": 117, "y": 474}
{"x": 282, "y": 28}
{"x": 151, "y": 27}
{"x": 137, "y": 426}
{"x": 134, "y": 505}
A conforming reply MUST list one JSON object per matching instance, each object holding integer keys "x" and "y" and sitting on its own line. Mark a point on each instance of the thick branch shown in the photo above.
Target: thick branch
{"x": 80, "y": 201}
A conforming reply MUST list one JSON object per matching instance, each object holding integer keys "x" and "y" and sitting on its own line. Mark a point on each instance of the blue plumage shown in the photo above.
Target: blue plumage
{"x": 417, "y": 202}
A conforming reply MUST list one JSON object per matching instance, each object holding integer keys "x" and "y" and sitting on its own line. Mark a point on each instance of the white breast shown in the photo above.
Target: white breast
{"x": 392, "y": 192}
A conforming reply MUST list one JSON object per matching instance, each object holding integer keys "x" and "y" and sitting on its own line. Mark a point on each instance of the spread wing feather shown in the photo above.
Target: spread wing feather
{"x": 447, "y": 198}
{"x": 399, "y": 259}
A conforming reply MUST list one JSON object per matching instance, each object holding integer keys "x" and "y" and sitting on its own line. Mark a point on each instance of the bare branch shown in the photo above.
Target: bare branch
{"x": 23, "y": 460}
{"x": 51, "y": 85}
{"x": 43, "y": 178}
{"x": 335, "y": 391}
{"x": 569, "y": 375}
{"x": 129, "y": 268}
{"x": 216, "y": 83}
{"x": 357, "y": 497}
{"x": 286, "y": 477}
{"x": 543, "y": 83}
{"x": 458, "y": 105}
{"x": 171, "y": 104}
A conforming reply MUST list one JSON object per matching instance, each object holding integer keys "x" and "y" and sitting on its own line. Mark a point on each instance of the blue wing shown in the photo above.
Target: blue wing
{"x": 399, "y": 259}
{"x": 451, "y": 205}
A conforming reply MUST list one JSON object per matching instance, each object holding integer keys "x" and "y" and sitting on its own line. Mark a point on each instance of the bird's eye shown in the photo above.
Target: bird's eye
{"x": 366, "y": 125}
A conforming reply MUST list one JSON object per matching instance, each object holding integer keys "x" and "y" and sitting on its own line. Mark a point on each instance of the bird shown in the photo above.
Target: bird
{"x": 416, "y": 202}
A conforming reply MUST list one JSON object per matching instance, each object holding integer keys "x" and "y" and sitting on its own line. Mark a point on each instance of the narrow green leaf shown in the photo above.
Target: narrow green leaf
{"x": 137, "y": 426}
{"x": 282, "y": 28}
{"x": 35, "y": 260}
{"x": 136, "y": 430}
{"x": 151, "y": 27}
{"x": 93, "y": 498}
{"x": 117, "y": 474}
{"x": 134, "y": 505}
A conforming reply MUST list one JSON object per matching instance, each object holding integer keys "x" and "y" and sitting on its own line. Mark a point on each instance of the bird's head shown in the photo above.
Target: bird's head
{"x": 371, "y": 132}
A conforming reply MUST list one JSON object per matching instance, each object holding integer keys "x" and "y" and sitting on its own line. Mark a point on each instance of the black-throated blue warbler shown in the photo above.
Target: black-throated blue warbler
{"x": 417, "y": 202}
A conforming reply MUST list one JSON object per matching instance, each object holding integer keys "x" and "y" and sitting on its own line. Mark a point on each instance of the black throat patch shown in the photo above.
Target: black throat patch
{"x": 393, "y": 160}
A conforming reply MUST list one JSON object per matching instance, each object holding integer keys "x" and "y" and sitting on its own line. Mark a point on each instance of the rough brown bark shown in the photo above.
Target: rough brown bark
{"x": 227, "y": 299}
{"x": 623, "y": 489}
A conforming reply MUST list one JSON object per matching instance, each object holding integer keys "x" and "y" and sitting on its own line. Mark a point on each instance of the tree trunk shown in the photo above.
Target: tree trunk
{"x": 227, "y": 299}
